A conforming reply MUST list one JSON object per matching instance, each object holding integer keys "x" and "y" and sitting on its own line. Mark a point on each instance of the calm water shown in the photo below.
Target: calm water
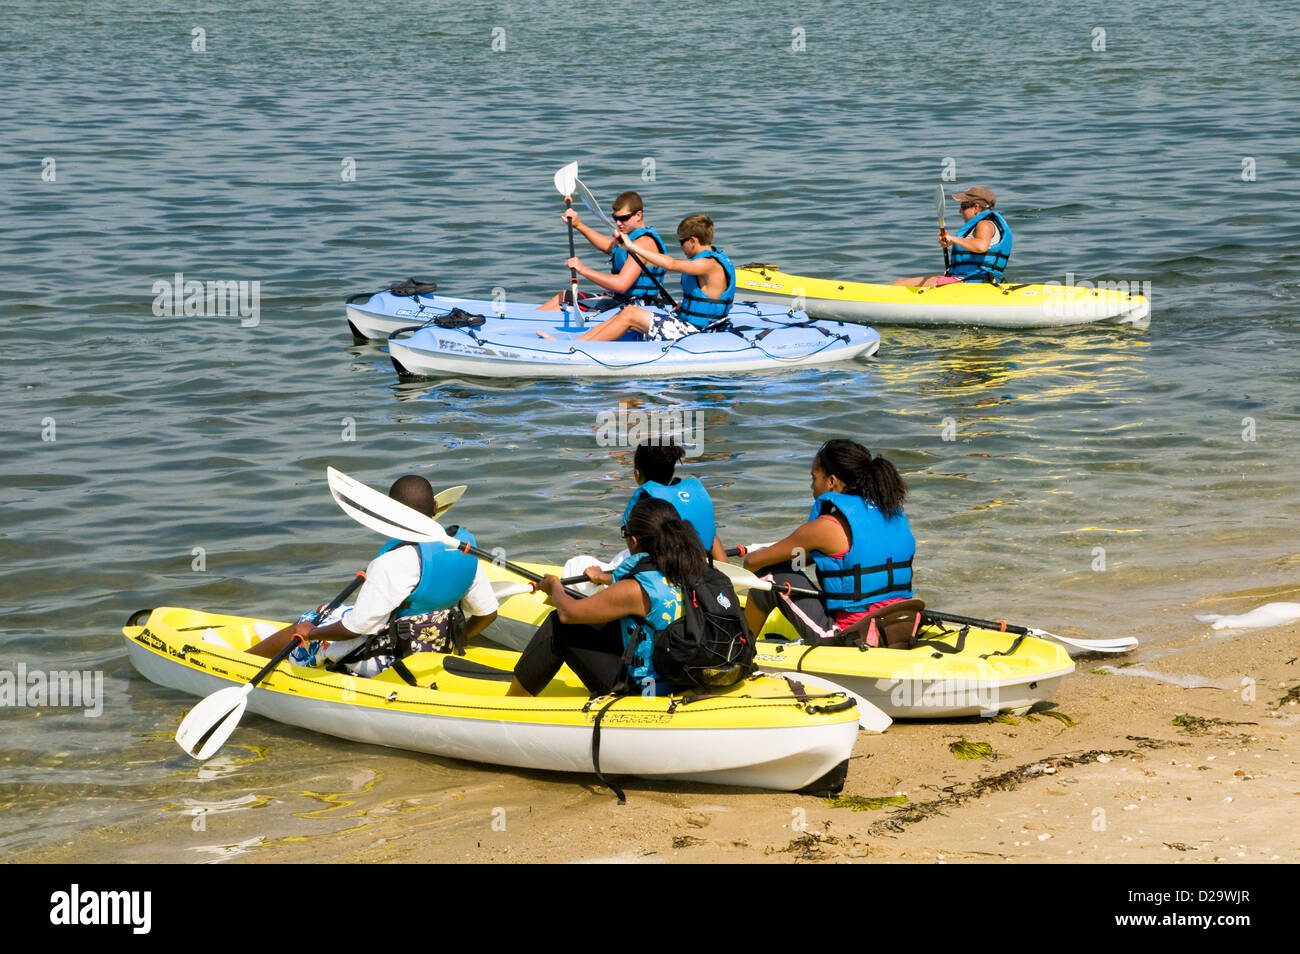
{"x": 1166, "y": 457}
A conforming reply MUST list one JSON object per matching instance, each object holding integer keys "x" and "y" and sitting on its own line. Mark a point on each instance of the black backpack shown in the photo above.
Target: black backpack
{"x": 709, "y": 646}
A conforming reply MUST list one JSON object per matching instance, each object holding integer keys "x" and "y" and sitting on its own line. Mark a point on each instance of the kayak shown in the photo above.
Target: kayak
{"x": 1047, "y": 305}
{"x": 758, "y": 734}
{"x": 375, "y": 316}
{"x": 952, "y": 672}
{"x": 507, "y": 343}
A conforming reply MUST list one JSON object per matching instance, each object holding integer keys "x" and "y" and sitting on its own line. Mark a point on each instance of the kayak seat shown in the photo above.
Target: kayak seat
{"x": 894, "y": 626}
{"x": 475, "y": 670}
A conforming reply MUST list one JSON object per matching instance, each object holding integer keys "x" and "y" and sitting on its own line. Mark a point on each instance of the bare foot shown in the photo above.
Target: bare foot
{"x": 543, "y": 334}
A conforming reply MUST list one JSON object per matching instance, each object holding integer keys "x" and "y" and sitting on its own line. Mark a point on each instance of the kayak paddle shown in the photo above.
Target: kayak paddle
{"x": 383, "y": 514}
{"x": 946, "y": 263}
{"x": 207, "y": 726}
{"x": 590, "y": 202}
{"x": 565, "y": 180}
{"x": 1120, "y": 644}
{"x": 742, "y": 578}
{"x": 445, "y": 498}
{"x": 504, "y": 589}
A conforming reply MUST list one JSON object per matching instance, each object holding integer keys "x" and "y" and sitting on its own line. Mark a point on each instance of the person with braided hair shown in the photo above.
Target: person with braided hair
{"x": 856, "y": 536}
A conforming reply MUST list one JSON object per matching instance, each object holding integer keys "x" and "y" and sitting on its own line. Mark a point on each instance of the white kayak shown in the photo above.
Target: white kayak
{"x": 508, "y": 343}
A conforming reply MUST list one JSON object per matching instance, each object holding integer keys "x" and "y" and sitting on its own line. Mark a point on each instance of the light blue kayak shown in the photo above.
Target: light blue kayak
{"x": 508, "y": 344}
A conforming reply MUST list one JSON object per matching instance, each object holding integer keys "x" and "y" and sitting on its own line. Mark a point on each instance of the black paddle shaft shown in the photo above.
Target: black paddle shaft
{"x": 573, "y": 272}
{"x": 514, "y": 568}
{"x": 288, "y": 648}
{"x": 646, "y": 268}
{"x": 998, "y": 625}
{"x": 266, "y": 670}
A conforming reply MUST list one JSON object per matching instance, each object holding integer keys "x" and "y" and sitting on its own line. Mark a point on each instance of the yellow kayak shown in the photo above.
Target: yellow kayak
{"x": 761, "y": 733}
{"x": 953, "y": 671}
{"x": 1053, "y": 304}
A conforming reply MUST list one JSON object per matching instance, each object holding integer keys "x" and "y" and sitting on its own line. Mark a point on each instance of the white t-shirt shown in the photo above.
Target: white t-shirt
{"x": 391, "y": 577}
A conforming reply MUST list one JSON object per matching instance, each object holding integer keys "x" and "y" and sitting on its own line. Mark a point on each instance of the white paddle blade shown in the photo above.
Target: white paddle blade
{"x": 1121, "y": 644}
{"x": 447, "y": 498}
{"x": 939, "y": 202}
{"x": 593, "y": 204}
{"x": 566, "y": 179}
{"x": 380, "y": 512}
{"x": 504, "y": 589}
{"x": 740, "y": 577}
{"x": 207, "y": 726}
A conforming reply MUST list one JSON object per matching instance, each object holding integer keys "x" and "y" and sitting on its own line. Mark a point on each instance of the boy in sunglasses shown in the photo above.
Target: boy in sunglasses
{"x": 981, "y": 247}
{"x": 708, "y": 289}
{"x": 626, "y": 282}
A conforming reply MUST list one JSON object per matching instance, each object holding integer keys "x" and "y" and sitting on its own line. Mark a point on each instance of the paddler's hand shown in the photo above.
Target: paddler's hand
{"x": 571, "y": 216}
{"x": 303, "y": 629}
{"x": 597, "y": 575}
{"x": 574, "y": 263}
{"x": 944, "y": 238}
{"x": 549, "y": 584}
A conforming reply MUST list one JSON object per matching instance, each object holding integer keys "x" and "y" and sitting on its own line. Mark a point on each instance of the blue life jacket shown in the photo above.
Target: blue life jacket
{"x": 665, "y": 608}
{"x": 445, "y": 575}
{"x": 878, "y": 564}
{"x": 982, "y": 266}
{"x": 691, "y": 501}
{"x": 697, "y": 307}
{"x": 644, "y": 286}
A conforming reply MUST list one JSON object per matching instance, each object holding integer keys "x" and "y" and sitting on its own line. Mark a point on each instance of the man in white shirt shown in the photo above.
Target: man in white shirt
{"x": 404, "y": 578}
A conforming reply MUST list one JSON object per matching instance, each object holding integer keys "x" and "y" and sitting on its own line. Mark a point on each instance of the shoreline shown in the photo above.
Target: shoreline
{"x": 1101, "y": 774}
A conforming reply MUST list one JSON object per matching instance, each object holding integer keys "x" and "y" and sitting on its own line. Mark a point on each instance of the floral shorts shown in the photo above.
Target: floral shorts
{"x": 668, "y": 328}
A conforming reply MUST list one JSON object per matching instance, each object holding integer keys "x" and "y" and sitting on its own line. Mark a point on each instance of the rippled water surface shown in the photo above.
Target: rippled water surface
{"x": 1091, "y": 480}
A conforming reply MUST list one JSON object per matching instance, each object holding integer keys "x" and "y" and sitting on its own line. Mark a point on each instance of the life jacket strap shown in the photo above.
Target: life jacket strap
{"x": 858, "y": 572}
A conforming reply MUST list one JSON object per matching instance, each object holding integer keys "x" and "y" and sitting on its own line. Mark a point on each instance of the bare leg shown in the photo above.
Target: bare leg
{"x": 910, "y": 282}
{"x": 630, "y": 318}
{"x": 754, "y": 617}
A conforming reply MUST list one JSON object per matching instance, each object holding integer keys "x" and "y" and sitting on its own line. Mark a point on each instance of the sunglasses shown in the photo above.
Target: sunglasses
{"x": 682, "y": 241}
{"x": 623, "y": 218}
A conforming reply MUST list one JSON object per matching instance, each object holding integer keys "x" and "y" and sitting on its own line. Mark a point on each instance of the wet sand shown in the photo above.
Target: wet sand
{"x": 1181, "y": 752}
